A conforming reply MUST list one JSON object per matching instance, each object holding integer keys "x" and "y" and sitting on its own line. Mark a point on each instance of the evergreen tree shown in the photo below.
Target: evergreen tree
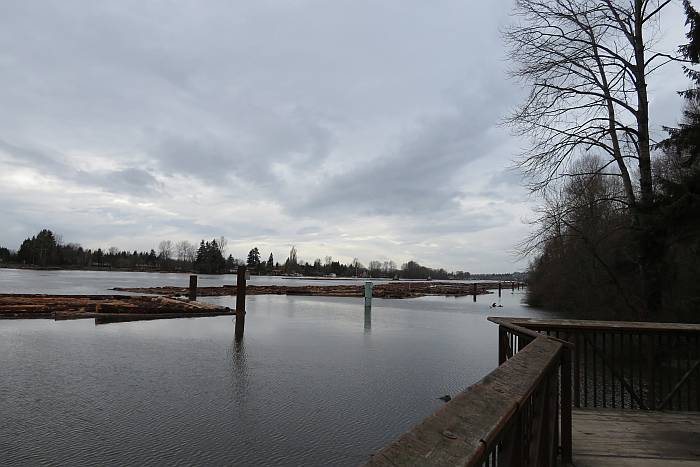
{"x": 684, "y": 141}
{"x": 210, "y": 260}
{"x": 254, "y": 258}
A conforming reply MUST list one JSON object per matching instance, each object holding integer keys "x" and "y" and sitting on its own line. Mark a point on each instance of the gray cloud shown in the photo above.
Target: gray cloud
{"x": 349, "y": 128}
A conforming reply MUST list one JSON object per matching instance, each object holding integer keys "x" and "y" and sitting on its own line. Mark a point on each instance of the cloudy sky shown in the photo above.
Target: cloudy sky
{"x": 351, "y": 128}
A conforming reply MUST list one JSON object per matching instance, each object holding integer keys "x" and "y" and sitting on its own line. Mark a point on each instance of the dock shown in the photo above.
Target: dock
{"x": 611, "y": 437}
{"x": 570, "y": 392}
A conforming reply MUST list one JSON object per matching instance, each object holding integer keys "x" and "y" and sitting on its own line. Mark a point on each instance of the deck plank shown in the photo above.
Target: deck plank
{"x": 605, "y": 437}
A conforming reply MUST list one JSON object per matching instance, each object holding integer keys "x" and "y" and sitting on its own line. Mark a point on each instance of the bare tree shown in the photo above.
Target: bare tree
{"x": 190, "y": 252}
{"x": 165, "y": 250}
{"x": 375, "y": 268}
{"x": 185, "y": 251}
{"x": 180, "y": 248}
{"x": 586, "y": 63}
{"x": 223, "y": 245}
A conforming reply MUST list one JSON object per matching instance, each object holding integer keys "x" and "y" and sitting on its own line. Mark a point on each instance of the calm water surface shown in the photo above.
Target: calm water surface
{"x": 315, "y": 381}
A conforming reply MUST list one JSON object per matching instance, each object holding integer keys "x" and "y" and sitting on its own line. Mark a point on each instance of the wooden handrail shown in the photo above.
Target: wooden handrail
{"x": 623, "y": 364}
{"x": 596, "y": 325}
{"x": 491, "y": 419}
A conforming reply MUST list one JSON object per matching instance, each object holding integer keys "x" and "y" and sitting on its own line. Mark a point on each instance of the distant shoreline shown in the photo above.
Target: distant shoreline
{"x": 289, "y": 277}
{"x": 110, "y": 269}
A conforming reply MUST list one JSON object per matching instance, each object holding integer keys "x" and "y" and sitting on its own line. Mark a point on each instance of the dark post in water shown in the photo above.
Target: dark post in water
{"x": 499, "y": 289}
{"x": 193, "y": 287}
{"x": 240, "y": 303}
{"x": 474, "y": 290}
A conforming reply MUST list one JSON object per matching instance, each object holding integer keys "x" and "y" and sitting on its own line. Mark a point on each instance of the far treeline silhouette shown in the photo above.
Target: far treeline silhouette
{"x": 47, "y": 249}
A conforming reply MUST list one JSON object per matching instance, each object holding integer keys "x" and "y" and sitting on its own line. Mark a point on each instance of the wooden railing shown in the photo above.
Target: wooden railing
{"x": 509, "y": 418}
{"x": 624, "y": 365}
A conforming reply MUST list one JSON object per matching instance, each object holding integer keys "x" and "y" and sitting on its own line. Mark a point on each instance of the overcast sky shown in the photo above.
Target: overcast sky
{"x": 354, "y": 128}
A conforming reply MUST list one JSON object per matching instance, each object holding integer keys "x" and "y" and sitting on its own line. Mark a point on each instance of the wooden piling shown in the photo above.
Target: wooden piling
{"x": 474, "y": 290}
{"x": 499, "y": 288}
{"x": 193, "y": 287}
{"x": 368, "y": 295}
{"x": 240, "y": 303}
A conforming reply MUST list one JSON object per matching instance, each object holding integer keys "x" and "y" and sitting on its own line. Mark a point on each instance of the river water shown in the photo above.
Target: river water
{"x": 315, "y": 381}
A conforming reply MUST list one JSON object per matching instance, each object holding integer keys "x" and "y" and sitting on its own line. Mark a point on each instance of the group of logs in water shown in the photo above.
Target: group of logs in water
{"x": 104, "y": 308}
{"x": 405, "y": 289}
{"x": 167, "y": 302}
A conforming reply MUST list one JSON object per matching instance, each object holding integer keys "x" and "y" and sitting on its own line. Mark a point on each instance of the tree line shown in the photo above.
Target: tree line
{"x": 47, "y": 249}
{"x": 618, "y": 231}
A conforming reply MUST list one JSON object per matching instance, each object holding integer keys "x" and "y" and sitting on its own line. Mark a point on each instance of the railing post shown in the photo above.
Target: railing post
{"x": 502, "y": 342}
{"x": 240, "y": 303}
{"x": 651, "y": 395}
{"x": 193, "y": 287}
{"x": 566, "y": 435}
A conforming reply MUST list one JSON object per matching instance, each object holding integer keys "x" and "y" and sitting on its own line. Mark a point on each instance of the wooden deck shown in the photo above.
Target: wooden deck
{"x": 608, "y": 437}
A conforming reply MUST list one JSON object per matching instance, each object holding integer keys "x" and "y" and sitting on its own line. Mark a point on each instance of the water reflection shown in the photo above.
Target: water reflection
{"x": 314, "y": 382}
{"x": 239, "y": 371}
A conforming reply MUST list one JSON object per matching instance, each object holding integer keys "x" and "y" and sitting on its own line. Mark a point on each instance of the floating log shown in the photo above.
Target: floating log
{"x": 21, "y": 306}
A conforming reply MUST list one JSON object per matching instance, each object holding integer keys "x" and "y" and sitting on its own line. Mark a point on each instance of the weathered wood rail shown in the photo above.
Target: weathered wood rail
{"x": 623, "y": 365}
{"x": 512, "y": 417}
{"x": 556, "y": 374}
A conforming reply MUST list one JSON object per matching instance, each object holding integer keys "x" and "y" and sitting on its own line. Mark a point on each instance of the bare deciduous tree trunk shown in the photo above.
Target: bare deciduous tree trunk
{"x": 586, "y": 63}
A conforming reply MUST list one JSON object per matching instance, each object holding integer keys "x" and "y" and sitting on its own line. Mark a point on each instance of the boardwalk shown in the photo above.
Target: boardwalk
{"x": 607, "y": 437}
{"x": 587, "y": 393}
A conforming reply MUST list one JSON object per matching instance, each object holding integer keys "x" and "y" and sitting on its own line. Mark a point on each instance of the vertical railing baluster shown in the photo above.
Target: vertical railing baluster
{"x": 502, "y": 344}
{"x": 614, "y": 369}
{"x": 641, "y": 359}
{"x": 577, "y": 369}
{"x": 585, "y": 369}
{"x": 594, "y": 343}
{"x": 603, "y": 368}
{"x": 689, "y": 362}
{"x": 622, "y": 360}
{"x": 676, "y": 370}
{"x": 566, "y": 419}
{"x": 697, "y": 373}
{"x": 651, "y": 371}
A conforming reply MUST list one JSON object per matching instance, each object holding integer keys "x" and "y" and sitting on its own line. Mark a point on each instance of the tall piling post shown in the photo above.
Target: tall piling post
{"x": 193, "y": 287}
{"x": 474, "y": 290}
{"x": 499, "y": 289}
{"x": 368, "y": 295}
{"x": 368, "y": 306}
{"x": 240, "y": 303}
{"x": 512, "y": 286}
